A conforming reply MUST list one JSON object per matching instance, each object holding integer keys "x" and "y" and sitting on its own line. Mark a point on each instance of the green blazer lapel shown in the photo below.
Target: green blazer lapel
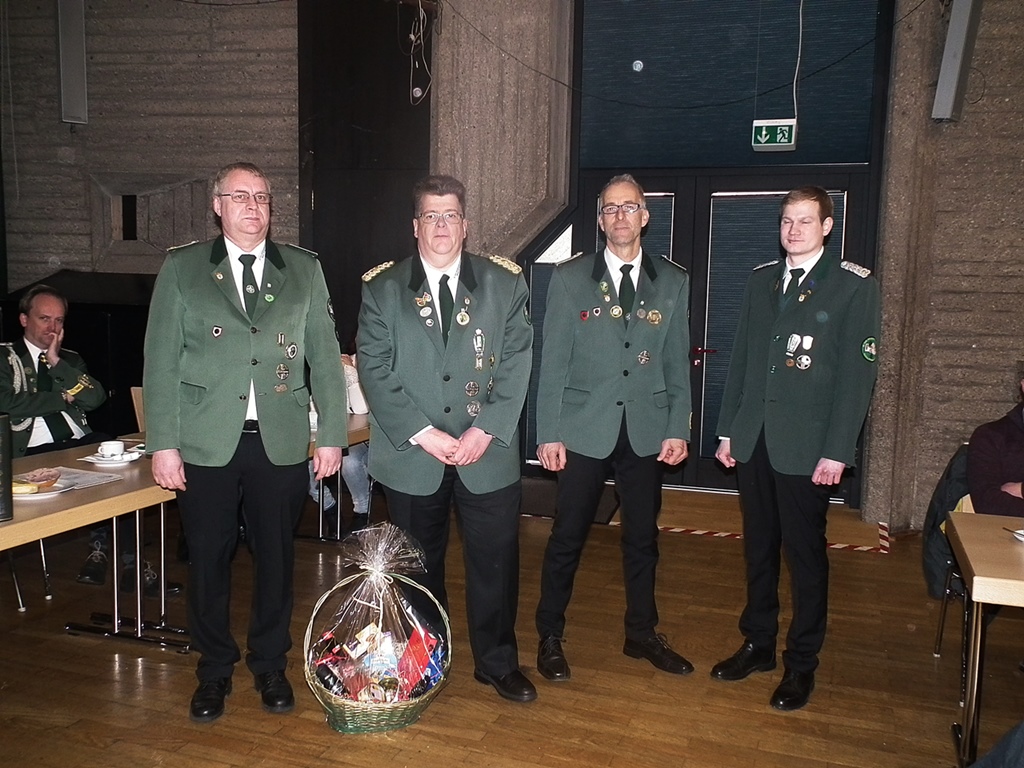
{"x": 274, "y": 275}
{"x": 419, "y": 287}
{"x": 222, "y": 275}
{"x": 602, "y": 281}
{"x": 774, "y": 287}
{"x": 647, "y": 293}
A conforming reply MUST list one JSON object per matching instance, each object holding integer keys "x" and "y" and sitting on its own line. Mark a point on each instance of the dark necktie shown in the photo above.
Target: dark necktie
{"x": 446, "y": 305}
{"x": 627, "y": 291}
{"x": 792, "y": 285}
{"x": 249, "y": 287}
{"x": 57, "y": 424}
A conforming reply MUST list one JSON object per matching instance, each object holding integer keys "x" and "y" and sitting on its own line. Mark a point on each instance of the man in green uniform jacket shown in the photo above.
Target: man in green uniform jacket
{"x": 444, "y": 357}
{"x": 613, "y": 394}
{"x": 232, "y": 323}
{"x": 799, "y": 384}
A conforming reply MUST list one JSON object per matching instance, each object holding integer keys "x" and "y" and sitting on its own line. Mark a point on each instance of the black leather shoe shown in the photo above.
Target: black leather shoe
{"x": 657, "y": 651}
{"x": 515, "y": 686}
{"x": 746, "y": 660}
{"x": 208, "y": 700}
{"x": 94, "y": 569}
{"x": 551, "y": 662}
{"x": 276, "y": 691}
{"x": 794, "y": 690}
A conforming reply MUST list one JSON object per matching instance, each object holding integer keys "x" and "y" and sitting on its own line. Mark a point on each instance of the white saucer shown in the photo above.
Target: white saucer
{"x": 49, "y": 493}
{"x": 122, "y": 460}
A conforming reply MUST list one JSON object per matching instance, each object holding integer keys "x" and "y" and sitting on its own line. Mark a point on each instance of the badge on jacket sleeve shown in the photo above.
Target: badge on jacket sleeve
{"x": 869, "y": 348}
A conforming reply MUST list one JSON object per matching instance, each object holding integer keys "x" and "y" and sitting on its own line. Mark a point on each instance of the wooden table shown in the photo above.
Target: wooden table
{"x": 992, "y": 563}
{"x": 39, "y": 518}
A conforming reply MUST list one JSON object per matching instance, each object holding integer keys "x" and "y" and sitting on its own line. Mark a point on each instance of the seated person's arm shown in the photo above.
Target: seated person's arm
{"x": 988, "y": 471}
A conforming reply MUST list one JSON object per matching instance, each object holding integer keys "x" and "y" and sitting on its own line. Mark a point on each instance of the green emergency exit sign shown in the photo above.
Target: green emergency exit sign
{"x": 774, "y": 135}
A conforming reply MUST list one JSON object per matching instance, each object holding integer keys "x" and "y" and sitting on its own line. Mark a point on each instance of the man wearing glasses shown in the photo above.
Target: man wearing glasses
{"x": 232, "y": 324}
{"x": 444, "y": 359}
{"x": 613, "y": 394}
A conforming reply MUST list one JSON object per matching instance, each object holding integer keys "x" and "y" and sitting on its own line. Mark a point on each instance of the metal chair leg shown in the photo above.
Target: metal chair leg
{"x": 946, "y": 597}
{"x": 14, "y": 578}
{"x": 46, "y": 571}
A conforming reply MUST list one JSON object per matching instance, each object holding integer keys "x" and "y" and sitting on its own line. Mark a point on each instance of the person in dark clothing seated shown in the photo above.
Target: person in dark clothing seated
{"x": 995, "y": 463}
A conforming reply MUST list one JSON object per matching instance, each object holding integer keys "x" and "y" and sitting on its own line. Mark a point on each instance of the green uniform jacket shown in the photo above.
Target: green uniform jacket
{"x": 202, "y": 350}
{"x": 593, "y": 367}
{"x": 20, "y": 399}
{"x": 412, "y": 380}
{"x": 804, "y": 374}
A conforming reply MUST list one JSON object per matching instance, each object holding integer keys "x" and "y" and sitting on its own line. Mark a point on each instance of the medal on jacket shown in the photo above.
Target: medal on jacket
{"x": 644, "y": 357}
{"x": 803, "y": 362}
{"x": 422, "y": 301}
{"x": 282, "y": 372}
{"x": 291, "y": 351}
{"x": 792, "y": 343}
{"x": 478, "y": 347}
{"x": 473, "y": 409}
{"x": 654, "y": 317}
{"x": 472, "y": 389}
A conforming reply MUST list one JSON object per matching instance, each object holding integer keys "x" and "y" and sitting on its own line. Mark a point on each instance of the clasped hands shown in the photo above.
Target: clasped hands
{"x": 460, "y": 451}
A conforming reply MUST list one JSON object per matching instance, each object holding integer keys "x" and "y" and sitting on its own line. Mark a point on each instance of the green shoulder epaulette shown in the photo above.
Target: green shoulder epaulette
{"x": 372, "y": 273}
{"x": 314, "y": 254}
{"x": 771, "y": 263}
{"x": 667, "y": 260}
{"x": 857, "y": 269}
{"x": 511, "y": 266}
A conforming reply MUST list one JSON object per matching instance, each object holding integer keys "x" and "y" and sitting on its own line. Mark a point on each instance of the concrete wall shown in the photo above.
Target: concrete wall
{"x": 175, "y": 91}
{"x": 501, "y": 115}
{"x": 951, "y": 258}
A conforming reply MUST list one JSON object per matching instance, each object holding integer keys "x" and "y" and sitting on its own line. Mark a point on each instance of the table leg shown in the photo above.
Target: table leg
{"x": 109, "y": 625}
{"x": 966, "y": 733}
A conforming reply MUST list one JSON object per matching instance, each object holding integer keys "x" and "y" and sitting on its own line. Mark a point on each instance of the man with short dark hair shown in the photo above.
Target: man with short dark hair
{"x": 613, "y": 394}
{"x": 444, "y": 359}
{"x": 799, "y": 384}
{"x": 232, "y": 325}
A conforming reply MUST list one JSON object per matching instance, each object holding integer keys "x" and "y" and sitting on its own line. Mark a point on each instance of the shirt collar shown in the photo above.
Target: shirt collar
{"x": 615, "y": 264}
{"x": 34, "y": 350}
{"x": 808, "y": 265}
{"x": 260, "y": 251}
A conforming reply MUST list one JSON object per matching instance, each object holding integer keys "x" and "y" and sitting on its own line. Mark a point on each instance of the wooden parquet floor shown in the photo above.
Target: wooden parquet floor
{"x": 881, "y": 700}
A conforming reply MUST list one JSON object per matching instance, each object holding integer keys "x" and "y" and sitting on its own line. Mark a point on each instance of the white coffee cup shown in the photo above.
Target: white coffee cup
{"x": 110, "y": 448}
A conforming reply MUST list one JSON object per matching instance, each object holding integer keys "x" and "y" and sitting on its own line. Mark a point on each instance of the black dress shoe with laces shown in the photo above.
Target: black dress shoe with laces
{"x": 746, "y": 660}
{"x": 515, "y": 686}
{"x": 208, "y": 700}
{"x": 276, "y": 691}
{"x": 551, "y": 661}
{"x": 794, "y": 690}
{"x": 657, "y": 651}
{"x": 151, "y": 582}
{"x": 94, "y": 569}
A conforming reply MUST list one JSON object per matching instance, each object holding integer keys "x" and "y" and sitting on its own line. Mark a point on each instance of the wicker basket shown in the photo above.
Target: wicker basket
{"x": 347, "y": 716}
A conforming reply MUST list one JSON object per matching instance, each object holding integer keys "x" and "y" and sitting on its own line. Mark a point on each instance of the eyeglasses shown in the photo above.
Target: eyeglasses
{"x": 241, "y": 196}
{"x": 432, "y": 217}
{"x": 626, "y": 208}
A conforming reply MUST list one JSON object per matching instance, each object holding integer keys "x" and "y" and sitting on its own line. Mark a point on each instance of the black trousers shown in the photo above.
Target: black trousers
{"x": 784, "y": 513}
{"x": 272, "y": 498}
{"x": 638, "y": 482}
{"x": 489, "y": 524}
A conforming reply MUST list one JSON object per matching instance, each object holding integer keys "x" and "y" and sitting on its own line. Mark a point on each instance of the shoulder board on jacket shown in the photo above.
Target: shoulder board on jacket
{"x": 183, "y": 245}
{"x": 511, "y": 266}
{"x": 372, "y": 273}
{"x": 304, "y": 250}
{"x": 771, "y": 263}
{"x": 857, "y": 269}
{"x": 667, "y": 260}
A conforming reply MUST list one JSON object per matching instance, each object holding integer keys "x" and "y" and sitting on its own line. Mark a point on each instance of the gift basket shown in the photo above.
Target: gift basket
{"x": 371, "y": 659}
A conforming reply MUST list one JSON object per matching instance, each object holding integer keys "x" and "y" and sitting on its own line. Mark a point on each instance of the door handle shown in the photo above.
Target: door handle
{"x": 697, "y": 355}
